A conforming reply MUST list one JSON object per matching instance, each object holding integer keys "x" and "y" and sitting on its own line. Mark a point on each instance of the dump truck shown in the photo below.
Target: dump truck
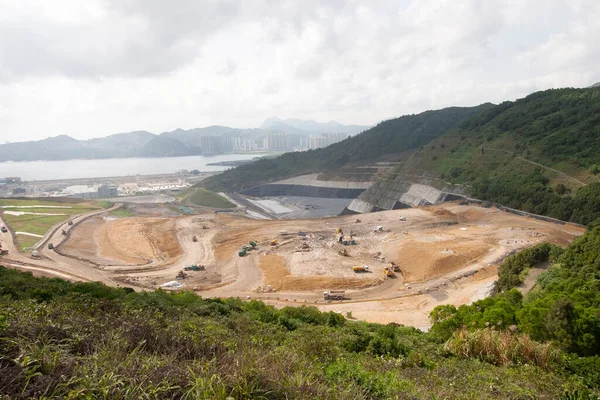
{"x": 35, "y": 254}
{"x": 334, "y": 295}
{"x": 388, "y": 271}
{"x": 360, "y": 268}
{"x": 253, "y": 244}
{"x": 3, "y": 229}
{"x": 273, "y": 242}
{"x": 242, "y": 252}
{"x": 394, "y": 267}
{"x": 50, "y": 246}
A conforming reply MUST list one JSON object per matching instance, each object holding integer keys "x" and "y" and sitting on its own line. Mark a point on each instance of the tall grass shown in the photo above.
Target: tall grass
{"x": 502, "y": 348}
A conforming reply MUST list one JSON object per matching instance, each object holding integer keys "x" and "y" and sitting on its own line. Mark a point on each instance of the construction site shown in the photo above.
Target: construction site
{"x": 390, "y": 266}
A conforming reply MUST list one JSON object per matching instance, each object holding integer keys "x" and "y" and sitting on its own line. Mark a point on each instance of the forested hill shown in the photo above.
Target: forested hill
{"x": 389, "y": 137}
{"x": 536, "y": 154}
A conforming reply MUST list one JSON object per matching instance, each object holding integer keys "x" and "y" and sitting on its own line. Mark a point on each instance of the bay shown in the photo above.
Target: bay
{"x": 72, "y": 169}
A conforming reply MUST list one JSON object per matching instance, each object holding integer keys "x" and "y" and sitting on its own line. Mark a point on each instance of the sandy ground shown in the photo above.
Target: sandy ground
{"x": 447, "y": 254}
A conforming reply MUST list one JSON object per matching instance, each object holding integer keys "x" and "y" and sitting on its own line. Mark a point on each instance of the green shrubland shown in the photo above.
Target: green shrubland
{"x": 86, "y": 340}
{"x": 563, "y": 309}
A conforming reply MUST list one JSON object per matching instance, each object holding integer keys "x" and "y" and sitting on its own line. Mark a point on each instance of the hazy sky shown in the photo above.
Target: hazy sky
{"x": 90, "y": 68}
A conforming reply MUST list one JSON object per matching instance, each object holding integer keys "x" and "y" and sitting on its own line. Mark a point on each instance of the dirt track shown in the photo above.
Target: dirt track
{"x": 447, "y": 254}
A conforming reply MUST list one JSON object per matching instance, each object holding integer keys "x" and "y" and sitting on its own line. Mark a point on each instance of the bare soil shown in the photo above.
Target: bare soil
{"x": 447, "y": 254}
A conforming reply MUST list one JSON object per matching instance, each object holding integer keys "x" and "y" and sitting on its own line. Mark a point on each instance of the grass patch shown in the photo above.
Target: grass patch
{"x": 185, "y": 194}
{"x": 104, "y": 203}
{"x": 206, "y": 198}
{"x": 26, "y": 241}
{"x": 34, "y": 202}
{"x": 36, "y": 224}
{"x": 39, "y": 224}
{"x": 122, "y": 212}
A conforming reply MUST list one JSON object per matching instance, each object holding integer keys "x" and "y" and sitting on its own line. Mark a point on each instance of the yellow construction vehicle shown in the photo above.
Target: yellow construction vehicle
{"x": 273, "y": 242}
{"x": 388, "y": 271}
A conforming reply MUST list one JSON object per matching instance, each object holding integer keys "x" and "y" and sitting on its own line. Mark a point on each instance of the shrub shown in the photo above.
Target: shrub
{"x": 501, "y": 348}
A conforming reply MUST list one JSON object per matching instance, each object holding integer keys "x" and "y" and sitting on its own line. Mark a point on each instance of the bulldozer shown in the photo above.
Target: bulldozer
{"x": 181, "y": 275}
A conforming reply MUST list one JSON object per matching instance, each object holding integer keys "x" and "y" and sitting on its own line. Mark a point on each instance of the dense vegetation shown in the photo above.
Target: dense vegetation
{"x": 389, "y": 137}
{"x": 86, "y": 340}
{"x": 564, "y": 307}
{"x": 495, "y": 152}
{"x": 515, "y": 267}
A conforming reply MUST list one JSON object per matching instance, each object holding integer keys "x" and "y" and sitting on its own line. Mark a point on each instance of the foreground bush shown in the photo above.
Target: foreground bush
{"x": 64, "y": 340}
{"x": 502, "y": 347}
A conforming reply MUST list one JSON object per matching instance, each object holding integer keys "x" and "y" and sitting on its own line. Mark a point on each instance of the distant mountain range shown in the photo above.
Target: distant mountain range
{"x": 176, "y": 143}
{"x": 299, "y": 126}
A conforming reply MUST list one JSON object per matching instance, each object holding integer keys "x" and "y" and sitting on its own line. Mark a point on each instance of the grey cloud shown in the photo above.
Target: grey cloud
{"x": 136, "y": 38}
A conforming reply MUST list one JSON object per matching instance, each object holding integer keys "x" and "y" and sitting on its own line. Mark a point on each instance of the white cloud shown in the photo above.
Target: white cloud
{"x": 98, "y": 67}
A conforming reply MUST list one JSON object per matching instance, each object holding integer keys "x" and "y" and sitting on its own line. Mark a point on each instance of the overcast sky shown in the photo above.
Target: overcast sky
{"x": 90, "y": 68}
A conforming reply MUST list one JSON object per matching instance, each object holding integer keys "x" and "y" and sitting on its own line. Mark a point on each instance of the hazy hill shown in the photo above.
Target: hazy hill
{"x": 131, "y": 144}
{"x": 179, "y": 142}
{"x": 389, "y": 137}
{"x": 303, "y": 127}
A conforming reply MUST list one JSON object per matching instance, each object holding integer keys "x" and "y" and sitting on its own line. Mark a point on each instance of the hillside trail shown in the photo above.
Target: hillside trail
{"x": 567, "y": 177}
{"x": 531, "y": 279}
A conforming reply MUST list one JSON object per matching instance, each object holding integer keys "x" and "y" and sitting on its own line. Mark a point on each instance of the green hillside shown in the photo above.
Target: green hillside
{"x": 86, "y": 340}
{"x": 394, "y": 136}
{"x": 534, "y": 154}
